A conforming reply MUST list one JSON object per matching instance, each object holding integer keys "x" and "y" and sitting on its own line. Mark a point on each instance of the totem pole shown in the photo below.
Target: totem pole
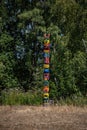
{"x": 46, "y": 75}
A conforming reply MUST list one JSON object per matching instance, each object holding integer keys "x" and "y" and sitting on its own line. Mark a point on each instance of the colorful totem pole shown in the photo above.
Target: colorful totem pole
{"x": 46, "y": 75}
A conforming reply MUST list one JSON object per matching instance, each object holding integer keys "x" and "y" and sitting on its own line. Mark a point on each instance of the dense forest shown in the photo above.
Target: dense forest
{"x": 22, "y": 26}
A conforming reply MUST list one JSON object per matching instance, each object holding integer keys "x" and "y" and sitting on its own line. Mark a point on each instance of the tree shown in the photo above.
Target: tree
{"x": 22, "y": 25}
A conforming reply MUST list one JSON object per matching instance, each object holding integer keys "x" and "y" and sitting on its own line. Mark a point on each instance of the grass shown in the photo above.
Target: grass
{"x": 18, "y": 97}
{"x": 79, "y": 101}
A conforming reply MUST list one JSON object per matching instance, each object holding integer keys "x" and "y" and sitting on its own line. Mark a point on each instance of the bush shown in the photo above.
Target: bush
{"x": 17, "y": 97}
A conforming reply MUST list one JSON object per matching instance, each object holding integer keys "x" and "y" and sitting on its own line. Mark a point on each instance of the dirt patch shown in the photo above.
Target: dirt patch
{"x": 43, "y": 118}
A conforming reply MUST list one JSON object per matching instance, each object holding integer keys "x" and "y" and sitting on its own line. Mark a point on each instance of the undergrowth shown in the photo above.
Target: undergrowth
{"x": 18, "y": 97}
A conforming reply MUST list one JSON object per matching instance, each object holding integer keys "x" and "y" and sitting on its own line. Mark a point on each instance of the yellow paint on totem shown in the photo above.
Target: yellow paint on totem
{"x": 46, "y": 51}
{"x": 46, "y": 65}
{"x": 46, "y": 41}
{"x": 46, "y": 95}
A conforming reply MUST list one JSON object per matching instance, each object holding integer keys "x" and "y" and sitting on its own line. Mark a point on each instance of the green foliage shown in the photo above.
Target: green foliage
{"x": 17, "y": 97}
{"x": 22, "y": 25}
{"x": 5, "y": 42}
{"x": 75, "y": 100}
{"x": 53, "y": 91}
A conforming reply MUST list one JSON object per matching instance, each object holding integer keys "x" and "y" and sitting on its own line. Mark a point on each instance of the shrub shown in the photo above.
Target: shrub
{"x": 18, "y": 97}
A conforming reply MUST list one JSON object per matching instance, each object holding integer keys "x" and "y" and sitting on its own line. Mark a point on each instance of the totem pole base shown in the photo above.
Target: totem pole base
{"x": 46, "y": 103}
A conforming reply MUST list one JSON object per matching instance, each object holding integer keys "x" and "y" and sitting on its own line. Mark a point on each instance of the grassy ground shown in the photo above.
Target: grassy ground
{"x": 43, "y": 118}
